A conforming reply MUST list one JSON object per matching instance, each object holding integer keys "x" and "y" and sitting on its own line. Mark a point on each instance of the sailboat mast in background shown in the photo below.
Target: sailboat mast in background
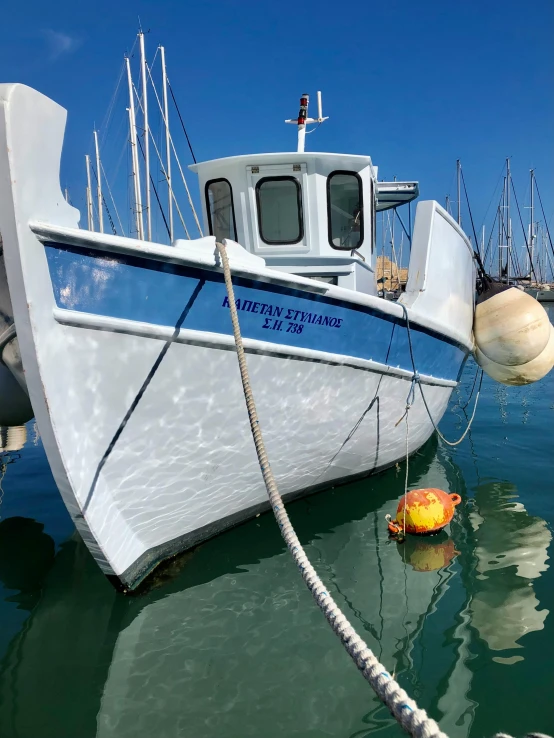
{"x": 459, "y": 190}
{"x": 167, "y": 145}
{"x": 99, "y": 185}
{"x": 532, "y": 222}
{"x": 508, "y": 221}
{"x": 90, "y": 214}
{"x": 146, "y": 136}
{"x": 134, "y": 153}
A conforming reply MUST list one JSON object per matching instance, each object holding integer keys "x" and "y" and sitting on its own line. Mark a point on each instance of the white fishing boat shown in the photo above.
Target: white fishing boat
{"x": 128, "y": 351}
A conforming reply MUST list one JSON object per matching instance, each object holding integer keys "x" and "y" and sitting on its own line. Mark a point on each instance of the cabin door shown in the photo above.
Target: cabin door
{"x": 279, "y": 208}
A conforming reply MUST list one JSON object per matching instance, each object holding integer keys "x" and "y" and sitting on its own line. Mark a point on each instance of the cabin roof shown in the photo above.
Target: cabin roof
{"x": 335, "y": 161}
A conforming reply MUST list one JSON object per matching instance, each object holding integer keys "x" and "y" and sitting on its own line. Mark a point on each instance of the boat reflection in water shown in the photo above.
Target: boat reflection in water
{"x": 511, "y": 548}
{"x": 12, "y": 439}
{"x": 232, "y": 644}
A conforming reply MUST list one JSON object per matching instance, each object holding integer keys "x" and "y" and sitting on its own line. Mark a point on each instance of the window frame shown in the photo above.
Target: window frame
{"x": 329, "y": 222}
{"x": 209, "y": 210}
{"x": 281, "y": 178}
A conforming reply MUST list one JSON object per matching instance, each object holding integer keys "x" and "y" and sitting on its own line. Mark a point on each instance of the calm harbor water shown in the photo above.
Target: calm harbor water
{"x": 227, "y": 642}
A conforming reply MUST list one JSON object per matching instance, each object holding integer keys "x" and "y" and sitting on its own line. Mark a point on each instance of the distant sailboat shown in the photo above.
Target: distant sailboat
{"x": 541, "y": 261}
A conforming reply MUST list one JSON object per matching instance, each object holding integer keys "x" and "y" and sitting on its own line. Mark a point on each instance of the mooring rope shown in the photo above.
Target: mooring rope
{"x": 407, "y": 468}
{"x": 409, "y": 402}
{"x": 414, "y": 720}
{"x": 416, "y": 378}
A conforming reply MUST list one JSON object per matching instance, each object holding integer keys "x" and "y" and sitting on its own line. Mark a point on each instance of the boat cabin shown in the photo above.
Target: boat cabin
{"x": 311, "y": 214}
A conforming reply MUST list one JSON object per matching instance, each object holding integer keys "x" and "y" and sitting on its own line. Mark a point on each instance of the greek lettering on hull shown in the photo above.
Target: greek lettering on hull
{"x": 297, "y": 317}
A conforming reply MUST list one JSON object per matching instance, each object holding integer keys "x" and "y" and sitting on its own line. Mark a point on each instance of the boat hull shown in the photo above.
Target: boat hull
{"x": 149, "y": 417}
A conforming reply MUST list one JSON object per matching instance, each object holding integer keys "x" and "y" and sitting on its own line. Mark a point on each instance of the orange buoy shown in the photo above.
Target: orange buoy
{"x": 427, "y": 511}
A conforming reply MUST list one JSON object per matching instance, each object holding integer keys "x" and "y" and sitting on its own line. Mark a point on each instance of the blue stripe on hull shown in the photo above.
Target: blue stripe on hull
{"x": 155, "y": 292}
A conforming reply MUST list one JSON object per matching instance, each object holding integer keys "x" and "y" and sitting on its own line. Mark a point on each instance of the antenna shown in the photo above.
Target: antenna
{"x": 303, "y": 119}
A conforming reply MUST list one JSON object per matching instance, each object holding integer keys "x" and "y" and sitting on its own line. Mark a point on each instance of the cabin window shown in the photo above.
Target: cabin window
{"x": 220, "y": 209}
{"x": 345, "y": 211}
{"x": 279, "y": 203}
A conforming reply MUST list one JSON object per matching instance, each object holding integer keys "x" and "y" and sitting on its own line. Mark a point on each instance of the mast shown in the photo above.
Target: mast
{"x": 532, "y": 221}
{"x": 167, "y": 144}
{"x": 134, "y": 153}
{"x": 542, "y": 255}
{"x": 146, "y": 137}
{"x": 483, "y": 244}
{"x": 508, "y": 221}
{"x": 90, "y": 214}
{"x": 99, "y": 185}
{"x": 302, "y": 118}
{"x": 540, "y": 245}
{"x": 393, "y": 259}
{"x": 501, "y": 230}
{"x": 459, "y": 190}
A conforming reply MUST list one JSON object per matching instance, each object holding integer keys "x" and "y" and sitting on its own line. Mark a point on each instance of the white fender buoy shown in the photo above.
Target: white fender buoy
{"x": 510, "y": 327}
{"x": 520, "y": 374}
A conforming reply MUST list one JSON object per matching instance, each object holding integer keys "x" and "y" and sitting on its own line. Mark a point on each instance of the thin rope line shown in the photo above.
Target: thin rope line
{"x": 109, "y": 112}
{"x": 182, "y": 122}
{"x": 165, "y": 175}
{"x": 463, "y": 407}
{"x": 112, "y": 198}
{"x": 417, "y": 380}
{"x": 3, "y": 467}
{"x": 544, "y": 215}
{"x": 407, "y": 468}
{"x": 189, "y": 197}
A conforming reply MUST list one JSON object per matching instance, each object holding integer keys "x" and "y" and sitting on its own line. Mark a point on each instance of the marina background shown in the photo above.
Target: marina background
{"x": 416, "y": 86}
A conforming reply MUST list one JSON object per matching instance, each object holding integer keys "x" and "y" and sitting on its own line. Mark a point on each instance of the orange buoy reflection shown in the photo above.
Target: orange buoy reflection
{"x": 427, "y": 554}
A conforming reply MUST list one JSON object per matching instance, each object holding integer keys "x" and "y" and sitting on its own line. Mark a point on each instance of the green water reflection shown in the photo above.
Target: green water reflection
{"x": 227, "y": 641}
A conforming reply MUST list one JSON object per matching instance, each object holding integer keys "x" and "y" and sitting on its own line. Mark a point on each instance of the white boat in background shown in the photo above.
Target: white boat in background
{"x": 534, "y": 272}
{"x": 15, "y": 406}
{"x": 127, "y": 346}
{"x": 542, "y": 293}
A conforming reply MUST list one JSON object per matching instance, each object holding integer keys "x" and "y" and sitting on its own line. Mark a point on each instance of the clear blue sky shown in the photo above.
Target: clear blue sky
{"x": 414, "y": 84}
